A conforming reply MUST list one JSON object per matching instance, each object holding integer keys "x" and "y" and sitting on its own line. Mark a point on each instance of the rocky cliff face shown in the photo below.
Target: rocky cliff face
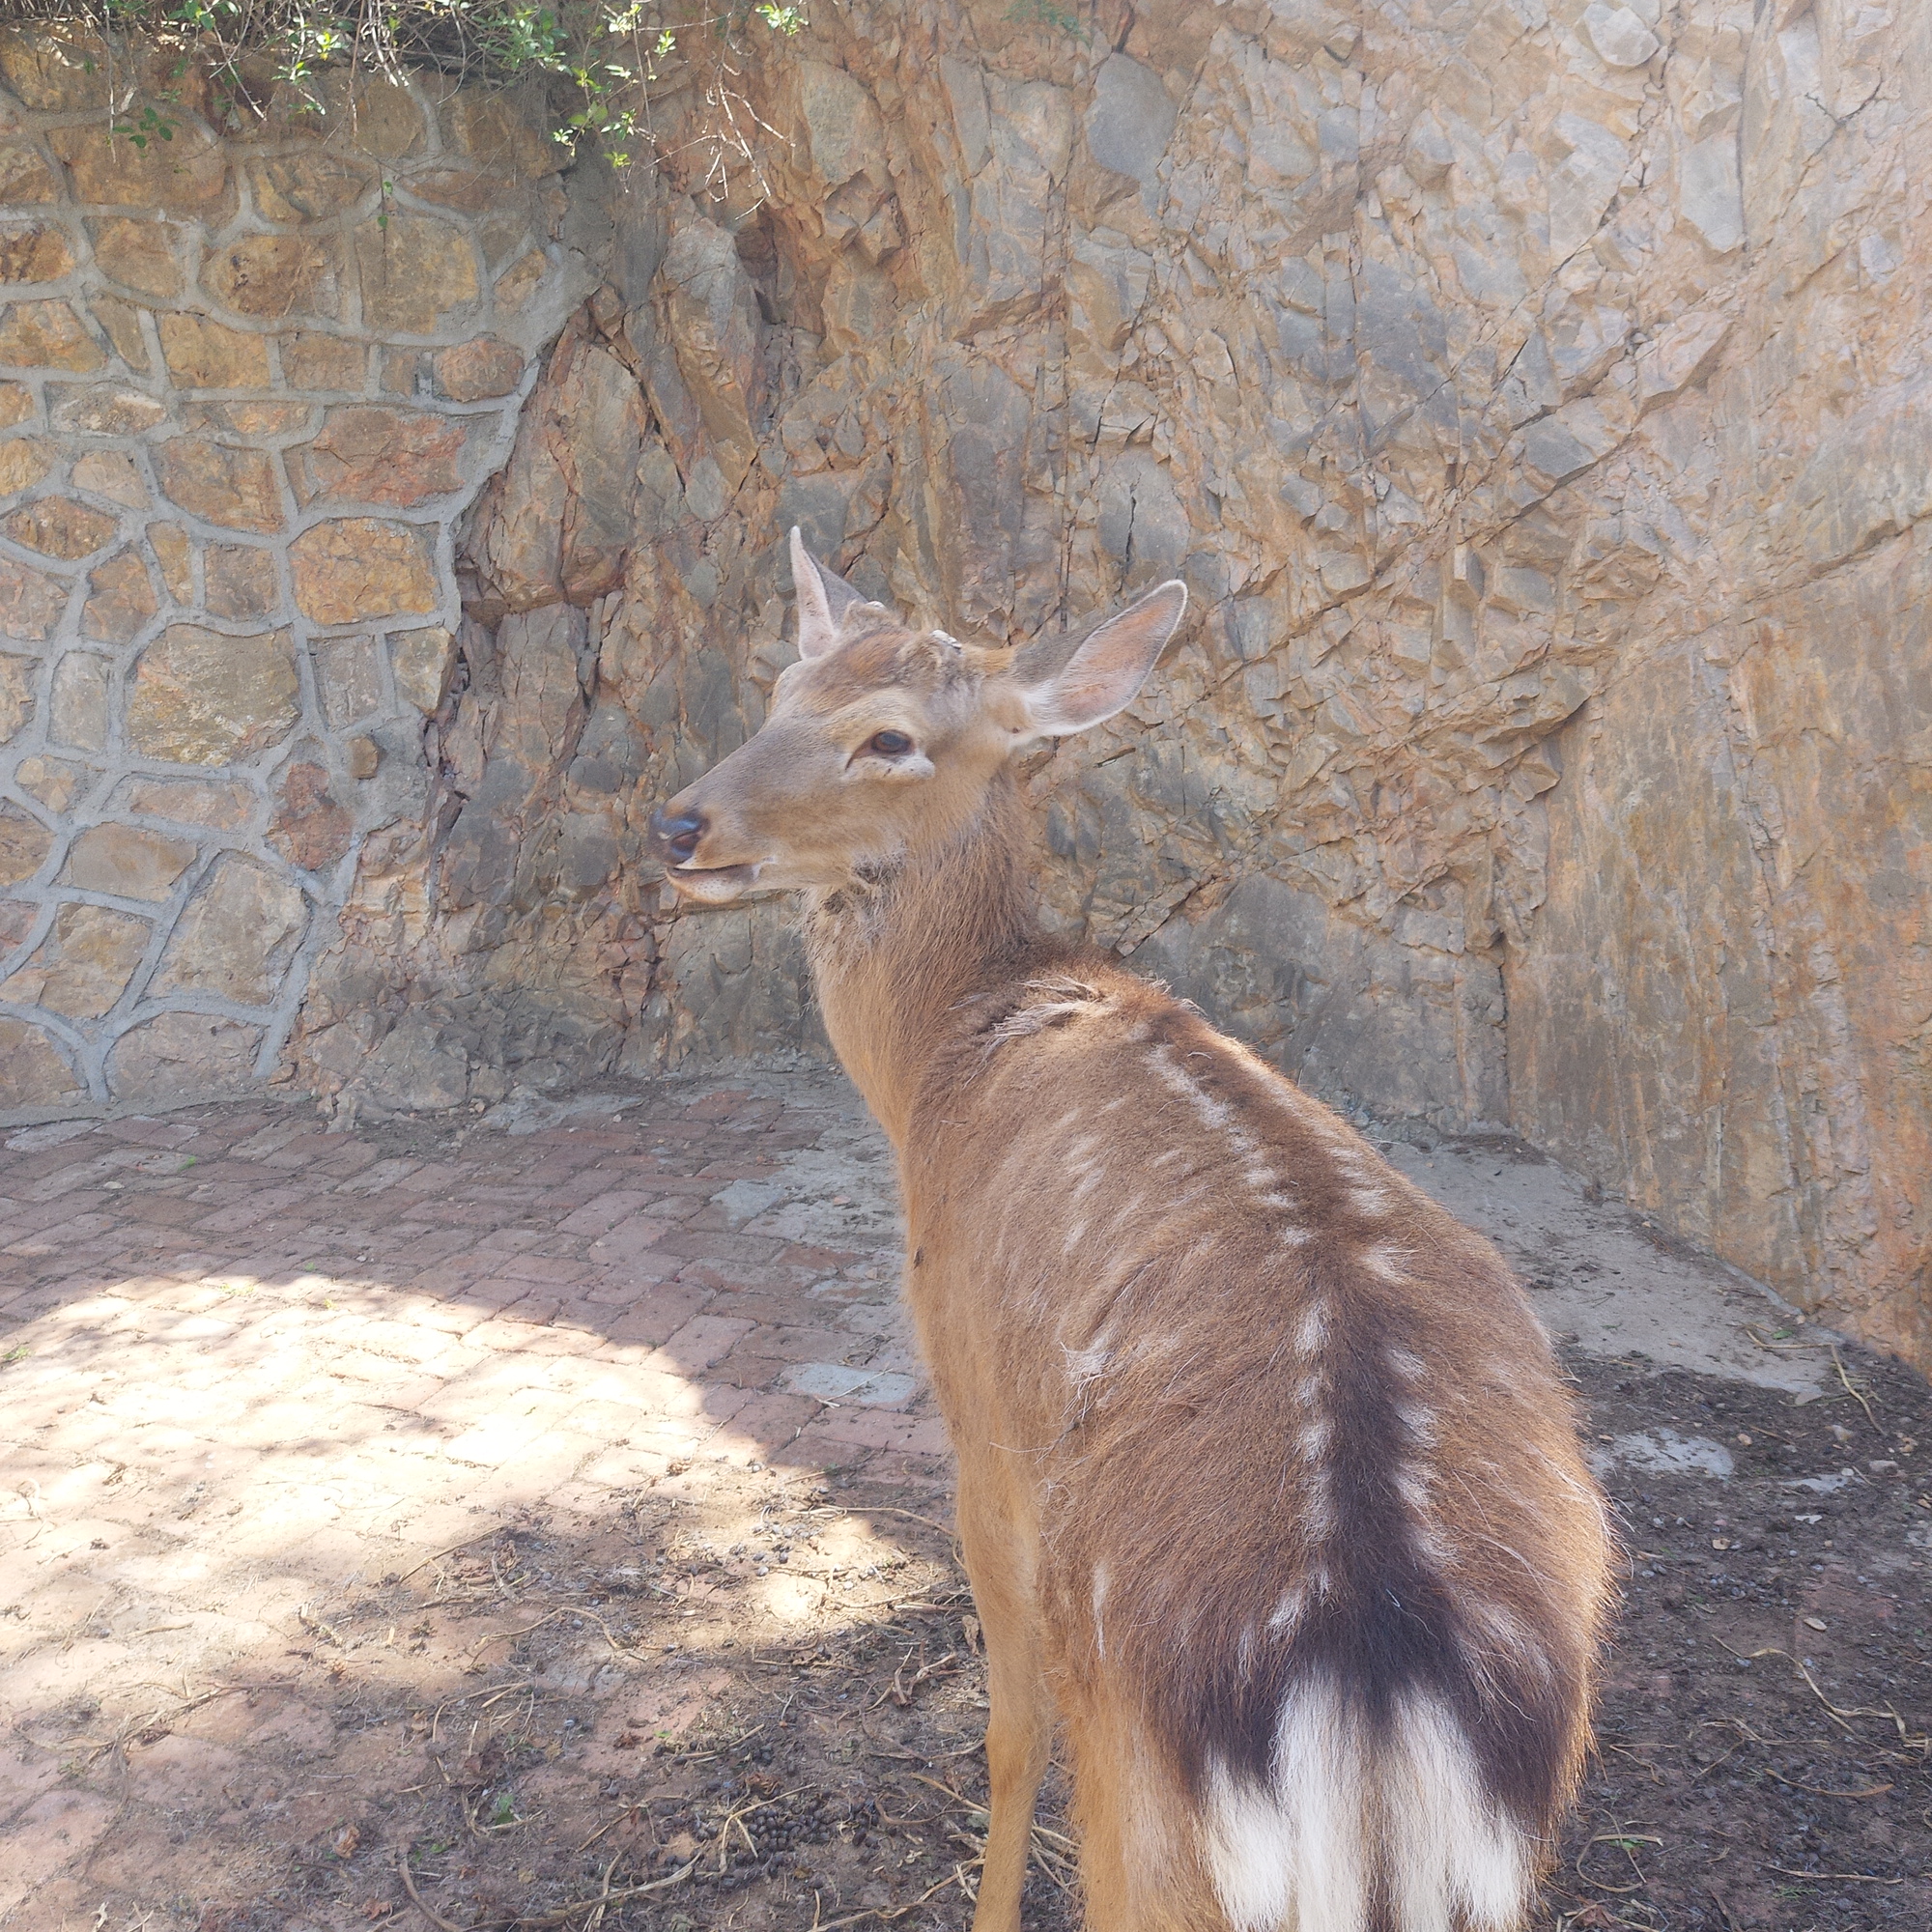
{"x": 1534, "y": 396}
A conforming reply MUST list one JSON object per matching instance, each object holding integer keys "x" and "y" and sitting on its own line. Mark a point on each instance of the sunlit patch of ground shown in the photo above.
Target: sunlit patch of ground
{"x": 542, "y": 1526}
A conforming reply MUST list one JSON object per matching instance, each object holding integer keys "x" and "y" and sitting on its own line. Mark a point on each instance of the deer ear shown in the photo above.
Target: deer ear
{"x": 823, "y": 599}
{"x": 1106, "y": 668}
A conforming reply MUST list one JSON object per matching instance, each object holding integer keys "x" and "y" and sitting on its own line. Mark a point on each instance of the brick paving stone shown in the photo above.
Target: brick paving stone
{"x": 309, "y": 1354}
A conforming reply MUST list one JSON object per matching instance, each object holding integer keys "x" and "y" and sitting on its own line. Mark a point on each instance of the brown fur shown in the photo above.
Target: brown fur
{"x": 1148, "y": 1273}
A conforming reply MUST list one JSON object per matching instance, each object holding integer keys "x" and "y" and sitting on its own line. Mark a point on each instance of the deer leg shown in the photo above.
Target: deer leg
{"x": 1019, "y": 1726}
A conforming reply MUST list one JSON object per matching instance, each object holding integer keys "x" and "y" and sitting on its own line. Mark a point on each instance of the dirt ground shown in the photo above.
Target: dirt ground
{"x": 434, "y": 1525}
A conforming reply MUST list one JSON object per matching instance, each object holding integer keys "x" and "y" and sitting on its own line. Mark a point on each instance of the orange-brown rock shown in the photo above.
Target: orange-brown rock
{"x": 31, "y": 601}
{"x": 48, "y": 335}
{"x": 141, "y": 255}
{"x": 33, "y": 251}
{"x": 238, "y": 934}
{"x": 422, "y": 663}
{"x": 127, "y": 861}
{"x": 25, "y": 177}
{"x": 486, "y": 128}
{"x": 17, "y": 404}
{"x": 54, "y": 782}
{"x": 83, "y": 696}
{"x": 188, "y": 175}
{"x": 310, "y": 826}
{"x": 203, "y": 353}
{"x": 252, "y": 417}
{"x": 24, "y": 844}
{"x": 180, "y": 1054}
{"x": 327, "y": 362}
{"x": 201, "y": 698}
{"x": 357, "y": 112}
{"x": 357, "y": 568}
{"x": 120, "y": 599}
{"x": 105, "y": 408}
{"x": 274, "y": 277}
{"x": 60, "y": 526}
{"x": 112, "y": 474}
{"x": 223, "y": 804}
{"x": 23, "y": 461}
{"x": 516, "y": 285}
{"x": 310, "y": 184}
{"x": 241, "y": 583}
{"x": 32, "y": 1071}
{"x": 19, "y": 676}
{"x": 121, "y": 323}
{"x": 468, "y": 371}
{"x": 83, "y": 965}
{"x": 416, "y": 272}
{"x": 380, "y": 455}
{"x": 235, "y": 488}
{"x": 176, "y": 556}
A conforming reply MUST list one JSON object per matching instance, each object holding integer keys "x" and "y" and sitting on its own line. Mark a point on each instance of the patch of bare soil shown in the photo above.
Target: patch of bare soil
{"x": 754, "y": 1700}
{"x": 1763, "y": 1748}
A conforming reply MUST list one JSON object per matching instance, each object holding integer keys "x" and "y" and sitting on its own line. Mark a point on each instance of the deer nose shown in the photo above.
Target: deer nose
{"x": 676, "y": 837}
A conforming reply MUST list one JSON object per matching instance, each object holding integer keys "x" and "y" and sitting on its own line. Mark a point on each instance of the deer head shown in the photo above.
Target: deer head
{"x": 883, "y": 740}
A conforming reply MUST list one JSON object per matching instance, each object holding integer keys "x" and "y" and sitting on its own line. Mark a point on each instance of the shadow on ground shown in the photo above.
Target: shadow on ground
{"x": 554, "y": 1516}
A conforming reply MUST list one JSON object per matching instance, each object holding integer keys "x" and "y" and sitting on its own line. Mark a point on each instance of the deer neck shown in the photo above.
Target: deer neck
{"x": 897, "y": 962}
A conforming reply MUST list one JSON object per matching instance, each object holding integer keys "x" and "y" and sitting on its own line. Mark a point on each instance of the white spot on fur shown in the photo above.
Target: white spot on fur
{"x": 1418, "y": 1423}
{"x": 1297, "y": 1852}
{"x": 1312, "y": 1437}
{"x": 1408, "y": 1364}
{"x": 1387, "y": 1258}
{"x": 1288, "y": 1611}
{"x": 1311, "y": 1331}
{"x": 1100, "y": 1607}
{"x": 1369, "y": 1203}
{"x": 1073, "y": 1237}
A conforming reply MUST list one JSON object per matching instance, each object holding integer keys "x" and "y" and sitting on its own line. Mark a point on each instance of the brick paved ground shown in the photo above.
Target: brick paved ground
{"x": 250, "y": 1364}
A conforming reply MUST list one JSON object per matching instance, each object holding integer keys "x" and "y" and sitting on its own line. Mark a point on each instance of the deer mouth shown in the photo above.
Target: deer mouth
{"x": 714, "y": 885}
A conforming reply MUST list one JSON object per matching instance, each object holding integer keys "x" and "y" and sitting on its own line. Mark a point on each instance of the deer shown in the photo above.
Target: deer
{"x": 1268, "y": 1484}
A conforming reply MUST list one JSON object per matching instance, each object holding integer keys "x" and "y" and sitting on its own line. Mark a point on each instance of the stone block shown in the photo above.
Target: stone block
{"x": 48, "y": 335}
{"x": 81, "y": 694}
{"x": 175, "y": 557}
{"x": 142, "y": 255}
{"x": 310, "y": 826}
{"x": 516, "y": 285}
{"x": 415, "y": 270}
{"x": 235, "y": 488}
{"x": 112, "y": 474}
{"x": 83, "y": 965}
{"x": 349, "y": 674}
{"x": 469, "y": 372}
{"x": 203, "y": 353}
{"x": 1131, "y": 120}
{"x": 32, "y": 1070}
{"x": 374, "y": 454}
{"x": 236, "y": 935}
{"x": 188, "y": 175}
{"x": 53, "y": 781}
{"x": 203, "y": 699}
{"x": 310, "y": 184}
{"x": 34, "y": 251}
{"x": 25, "y": 460}
{"x": 25, "y": 177}
{"x": 128, "y": 861}
{"x": 712, "y": 318}
{"x": 223, "y": 805}
{"x": 492, "y": 130}
{"x": 327, "y": 362}
{"x": 24, "y": 844}
{"x": 105, "y": 408}
{"x": 56, "y": 69}
{"x": 274, "y": 277}
{"x": 59, "y": 526}
{"x": 423, "y": 661}
{"x": 359, "y": 568}
{"x": 174, "y": 1055}
{"x": 121, "y": 323}
{"x": 18, "y": 678}
{"x": 31, "y": 601}
{"x": 241, "y": 583}
{"x": 362, "y": 112}
{"x": 17, "y": 404}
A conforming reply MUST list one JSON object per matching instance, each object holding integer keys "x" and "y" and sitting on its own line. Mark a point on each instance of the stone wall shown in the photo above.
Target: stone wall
{"x": 248, "y": 383}
{"x": 1533, "y": 393}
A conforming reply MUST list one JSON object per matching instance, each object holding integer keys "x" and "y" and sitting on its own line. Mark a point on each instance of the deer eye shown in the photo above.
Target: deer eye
{"x": 889, "y": 744}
